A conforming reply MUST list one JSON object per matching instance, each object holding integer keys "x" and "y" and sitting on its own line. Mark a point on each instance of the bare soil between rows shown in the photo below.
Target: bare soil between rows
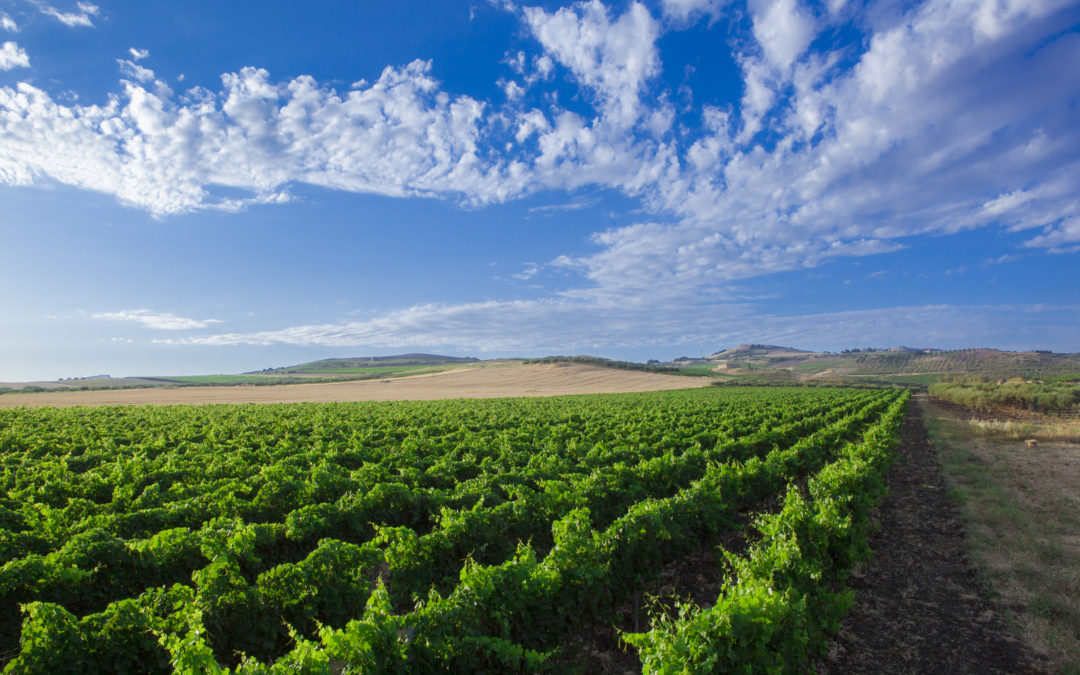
{"x": 918, "y": 606}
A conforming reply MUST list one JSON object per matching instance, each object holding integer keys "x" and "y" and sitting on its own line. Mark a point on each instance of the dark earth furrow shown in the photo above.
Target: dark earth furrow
{"x": 918, "y": 607}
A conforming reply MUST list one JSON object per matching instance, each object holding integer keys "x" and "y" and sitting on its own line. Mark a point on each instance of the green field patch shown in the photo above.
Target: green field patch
{"x": 920, "y": 379}
{"x": 816, "y": 366}
{"x": 375, "y": 371}
{"x": 698, "y": 370}
{"x": 224, "y": 379}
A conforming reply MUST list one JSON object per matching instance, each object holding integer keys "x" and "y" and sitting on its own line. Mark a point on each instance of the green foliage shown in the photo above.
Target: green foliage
{"x": 418, "y": 537}
{"x": 786, "y": 593}
{"x": 983, "y": 395}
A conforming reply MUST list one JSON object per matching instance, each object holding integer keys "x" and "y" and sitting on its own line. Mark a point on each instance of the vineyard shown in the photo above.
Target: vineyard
{"x": 433, "y": 536}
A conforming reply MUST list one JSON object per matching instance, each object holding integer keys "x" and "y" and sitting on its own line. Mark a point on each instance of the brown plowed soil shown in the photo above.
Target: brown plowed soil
{"x": 482, "y": 382}
{"x": 917, "y": 607}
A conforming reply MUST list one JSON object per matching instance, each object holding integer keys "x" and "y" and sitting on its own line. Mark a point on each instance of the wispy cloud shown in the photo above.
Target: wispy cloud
{"x": 155, "y": 320}
{"x": 562, "y": 324}
{"x": 73, "y": 19}
{"x": 686, "y": 10}
{"x": 135, "y": 71}
{"x": 574, "y": 205}
{"x": 138, "y": 54}
{"x": 1001, "y": 259}
{"x": 530, "y": 271}
{"x": 13, "y": 56}
{"x": 7, "y": 23}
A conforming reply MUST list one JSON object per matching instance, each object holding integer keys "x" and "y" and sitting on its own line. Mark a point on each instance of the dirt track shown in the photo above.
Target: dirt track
{"x": 489, "y": 382}
{"x": 918, "y": 608}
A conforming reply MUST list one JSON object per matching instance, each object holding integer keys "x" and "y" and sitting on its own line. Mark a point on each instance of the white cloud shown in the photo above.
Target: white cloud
{"x": 543, "y": 66}
{"x": 73, "y": 19}
{"x": 135, "y": 71}
{"x": 573, "y": 205}
{"x": 914, "y": 138}
{"x": 1058, "y": 236}
{"x": 614, "y": 59}
{"x": 530, "y": 271}
{"x": 512, "y": 89}
{"x": 783, "y": 28}
{"x": 139, "y": 54}
{"x": 399, "y": 136}
{"x": 155, "y": 320}
{"x": 13, "y": 56}
{"x": 1001, "y": 259}
{"x": 530, "y": 123}
{"x": 7, "y": 23}
{"x": 686, "y": 10}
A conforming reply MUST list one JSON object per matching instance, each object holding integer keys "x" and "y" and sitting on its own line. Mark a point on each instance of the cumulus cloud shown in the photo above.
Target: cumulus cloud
{"x": 138, "y": 54}
{"x": 7, "y": 23}
{"x": 13, "y": 56}
{"x": 166, "y": 153}
{"x": 614, "y": 59}
{"x": 80, "y": 18}
{"x": 155, "y": 320}
{"x": 783, "y": 29}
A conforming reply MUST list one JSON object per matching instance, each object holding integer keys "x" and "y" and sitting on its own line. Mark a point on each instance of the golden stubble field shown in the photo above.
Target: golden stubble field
{"x": 479, "y": 382}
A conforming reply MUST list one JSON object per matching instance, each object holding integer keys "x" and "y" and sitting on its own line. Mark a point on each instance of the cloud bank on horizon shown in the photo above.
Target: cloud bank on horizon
{"x": 856, "y": 126}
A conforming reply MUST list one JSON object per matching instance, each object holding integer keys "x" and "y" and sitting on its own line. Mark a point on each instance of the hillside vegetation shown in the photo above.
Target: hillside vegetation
{"x": 894, "y": 366}
{"x": 742, "y": 365}
{"x": 366, "y": 362}
{"x": 610, "y": 363}
{"x": 983, "y": 395}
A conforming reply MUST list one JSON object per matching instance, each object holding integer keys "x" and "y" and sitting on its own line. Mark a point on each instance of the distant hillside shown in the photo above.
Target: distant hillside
{"x": 651, "y": 367}
{"x": 749, "y": 364}
{"x": 325, "y": 365}
{"x": 915, "y": 365}
{"x": 756, "y": 351}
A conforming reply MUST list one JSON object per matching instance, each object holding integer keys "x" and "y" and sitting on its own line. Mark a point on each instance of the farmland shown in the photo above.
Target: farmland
{"x": 486, "y": 381}
{"x": 763, "y": 364}
{"x": 498, "y": 534}
{"x": 324, "y": 371}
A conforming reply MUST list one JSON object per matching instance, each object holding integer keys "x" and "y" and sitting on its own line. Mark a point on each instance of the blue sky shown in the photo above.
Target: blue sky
{"x": 218, "y": 187}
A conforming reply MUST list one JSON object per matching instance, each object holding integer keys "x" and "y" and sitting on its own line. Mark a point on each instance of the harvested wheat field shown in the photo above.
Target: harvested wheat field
{"x": 483, "y": 382}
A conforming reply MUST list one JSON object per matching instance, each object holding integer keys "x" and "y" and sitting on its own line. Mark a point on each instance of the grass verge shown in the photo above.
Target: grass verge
{"x": 1021, "y": 507}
